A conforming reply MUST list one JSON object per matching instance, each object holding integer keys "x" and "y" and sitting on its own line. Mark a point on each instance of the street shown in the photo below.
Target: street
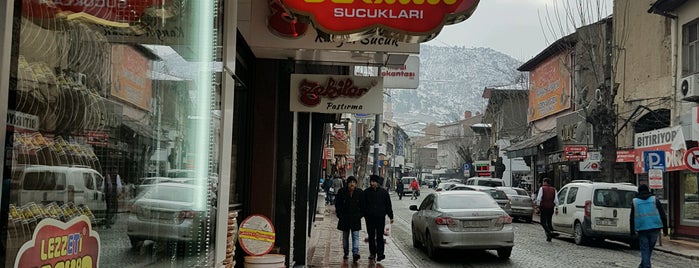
{"x": 531, "y": 248}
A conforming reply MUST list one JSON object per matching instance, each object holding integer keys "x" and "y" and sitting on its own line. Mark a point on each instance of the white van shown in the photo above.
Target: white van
{"x": 61, "y": 184}
{"x": 595, "y": 210}
{"x": 485, "y": 181}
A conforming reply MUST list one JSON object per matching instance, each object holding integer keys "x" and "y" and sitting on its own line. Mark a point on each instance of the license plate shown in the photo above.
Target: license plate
{"x": 606, "y": 222}
{"x": 476, "y": 224}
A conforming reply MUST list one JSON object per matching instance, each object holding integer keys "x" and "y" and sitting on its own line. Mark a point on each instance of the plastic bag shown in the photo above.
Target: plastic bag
{"x": 387, "y": 233}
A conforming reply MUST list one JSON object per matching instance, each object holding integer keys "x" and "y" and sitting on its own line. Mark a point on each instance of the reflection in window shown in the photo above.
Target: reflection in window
{"x": 690, "y": 191}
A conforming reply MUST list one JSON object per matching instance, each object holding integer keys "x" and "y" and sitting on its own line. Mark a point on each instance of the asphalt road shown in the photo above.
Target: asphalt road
{"x": 531, "y": 248}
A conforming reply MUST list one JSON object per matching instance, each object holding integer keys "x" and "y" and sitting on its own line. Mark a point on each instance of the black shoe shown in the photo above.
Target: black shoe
{"x": 381, "y": 257}
{"x": 555, "y": 234}
{"x": 344, "y": 257}
{"x": 356, "y": 257}
{"x": 372, "y": 257}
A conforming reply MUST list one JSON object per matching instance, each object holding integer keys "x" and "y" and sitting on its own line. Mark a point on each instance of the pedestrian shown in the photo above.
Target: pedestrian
{"x": 338, "y": 183}
{"x": 377, "y": 207}
{"x": 647, "y": 218}
{"x": 399, "y": 189}
{"x": 111, "y": 189}
{"x": 348, "y": 208}
{"x": 415, "y": 188}
{"x": 547, "y": 201}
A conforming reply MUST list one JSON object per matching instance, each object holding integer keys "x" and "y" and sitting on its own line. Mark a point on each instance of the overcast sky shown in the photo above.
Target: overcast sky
{"x": 514, "y": 27}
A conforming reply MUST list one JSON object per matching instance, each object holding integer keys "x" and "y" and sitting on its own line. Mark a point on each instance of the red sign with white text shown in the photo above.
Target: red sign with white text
{"x": 411, "y": 16}
{"x": 59, "y": 244}
{"x": 624, "y": 156}
{"x": 111, "y": 10}
{"x": 575, "y": 152}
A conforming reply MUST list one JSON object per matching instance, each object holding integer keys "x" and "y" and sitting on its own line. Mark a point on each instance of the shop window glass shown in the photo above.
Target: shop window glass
{"x": 690, "y": 196}
{"x": 103, "y": 98}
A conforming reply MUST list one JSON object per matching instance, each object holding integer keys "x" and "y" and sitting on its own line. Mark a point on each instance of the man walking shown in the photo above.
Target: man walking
{"x": 377, "y": 206}
{"x": 547, "y": 200}
{"x": 348, "y": 208}
{"x": 647, "y": 218}
{"x": 399, "y": 189}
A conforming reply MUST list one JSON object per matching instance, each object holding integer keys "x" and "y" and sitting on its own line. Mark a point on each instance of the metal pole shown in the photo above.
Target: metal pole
{"x": 377, "y": 132}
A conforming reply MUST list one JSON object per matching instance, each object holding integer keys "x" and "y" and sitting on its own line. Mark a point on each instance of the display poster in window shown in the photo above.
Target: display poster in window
{"x": 58, "y": 244}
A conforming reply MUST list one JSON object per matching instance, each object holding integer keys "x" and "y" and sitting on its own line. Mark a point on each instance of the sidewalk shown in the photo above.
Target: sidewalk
{"x": 325, "y": 247}
{"x": 679, "y": 247}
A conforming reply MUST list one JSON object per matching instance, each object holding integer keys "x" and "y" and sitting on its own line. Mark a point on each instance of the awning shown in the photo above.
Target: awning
{"x": 528, "y": 146}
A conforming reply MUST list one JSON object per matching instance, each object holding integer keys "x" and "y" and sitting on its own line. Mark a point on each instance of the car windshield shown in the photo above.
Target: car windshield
{"x": 614, "y": 198}
{"x": 466, "y": 202}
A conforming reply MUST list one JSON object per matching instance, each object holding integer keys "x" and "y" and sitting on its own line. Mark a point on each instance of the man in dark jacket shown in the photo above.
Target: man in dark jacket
{"x": 377, "y": 206}
{"x": 348, "y": 207}
{"x": 399, "y": 189}
{"x": 647, "y": 218}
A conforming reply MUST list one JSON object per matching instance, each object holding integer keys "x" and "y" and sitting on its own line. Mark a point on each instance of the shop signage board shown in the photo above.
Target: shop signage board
{"x": 75, "y": 243}
{"x": 329, "y": 153}
{"x": 574, "y": 152}
{"x": 625, "y": 156}
{"x": 22, "y": 121}
{"x": 550, "y": 92}
{"x": 591, "y": 163}
{"x": 261, "y": 33}
{"x": 334, "y": 94}
{"x": 415, "y": 18}
{"x": 655, "y": 178}
{"x": 691, "y": 159}
{"x": 670, "y": 140}
{"x": 406, "y": 76}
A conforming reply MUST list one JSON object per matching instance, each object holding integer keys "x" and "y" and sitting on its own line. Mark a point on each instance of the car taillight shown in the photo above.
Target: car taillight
{"x": 504, "y": 219}
{"x": 588, "y": 209}
{"x": 444, "y": 221}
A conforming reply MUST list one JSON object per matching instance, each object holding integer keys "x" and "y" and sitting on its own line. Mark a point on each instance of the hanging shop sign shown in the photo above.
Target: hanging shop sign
{"x": 625, "y": 156}
{"x": 550, "y": 91}
{"x": 670, "y": 140}
{"x": 130, "y": 77}
{"x": 574, "y": 152}
{"x": 59, "y": 244}
{"x": 405, "y": 76}
{"x": 335, "y": 94}
{"x": 407, "y": 20}
{"x": 591, "y": 163}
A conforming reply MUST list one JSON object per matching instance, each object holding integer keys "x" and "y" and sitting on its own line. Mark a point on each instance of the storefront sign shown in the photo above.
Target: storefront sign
{"x": 574, "y": 152}
{"x": 130, "y": 77}
{"x": 97, "y": 138}
{"x": 20, "y": 120}
{"x": 329, "y": 153}
{"x": 554, "y": 158}
{"x": 591, "y": 163}
{"x": 58, "y": 244}
{"x": 550, "y": 88}
{"x": 670, "y": 140}
{"x": 405, "y": 77}
{"x": 415, "y": 17}
{"x": 336, "y": 94}
{"x": 624, "y": 156}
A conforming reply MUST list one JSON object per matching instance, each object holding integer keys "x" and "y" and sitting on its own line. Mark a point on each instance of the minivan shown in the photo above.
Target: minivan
{"x": 80, "y": 185}
{"x": 595, "y": 210}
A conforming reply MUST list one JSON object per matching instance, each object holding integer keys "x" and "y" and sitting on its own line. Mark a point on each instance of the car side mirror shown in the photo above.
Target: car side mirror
{"x": 413, "y": 207}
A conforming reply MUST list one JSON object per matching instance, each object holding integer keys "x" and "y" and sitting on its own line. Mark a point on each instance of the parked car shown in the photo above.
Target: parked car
{"x": 444, "y": 185}
{"x": 485, "y": 181}
{"x": 181, "y": 173}
{"x": 595, "y": 210}
{"x": 147, "y": 183}
{"x": 169, "y": 212}
{"x": 461, "y": 220}
{"x": 499, "y": 195}
{"x": 522, "y": 204}
{"x": 80, "y": 185}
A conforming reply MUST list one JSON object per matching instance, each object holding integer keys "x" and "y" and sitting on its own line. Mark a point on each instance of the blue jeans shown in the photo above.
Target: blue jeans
{"x": 355, "y": 242}
{"x": 646, "y": 241}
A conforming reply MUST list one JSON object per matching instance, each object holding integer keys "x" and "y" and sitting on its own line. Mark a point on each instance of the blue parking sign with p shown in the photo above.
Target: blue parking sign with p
{"x": 653, "y": 160}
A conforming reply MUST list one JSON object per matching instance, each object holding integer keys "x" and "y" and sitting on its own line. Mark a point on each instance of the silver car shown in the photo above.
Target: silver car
{"x": 173, "y": 212}
{"x": 499, "y": 195}
{"x": 522, "y": 204}
{"x": 462, "y": 220}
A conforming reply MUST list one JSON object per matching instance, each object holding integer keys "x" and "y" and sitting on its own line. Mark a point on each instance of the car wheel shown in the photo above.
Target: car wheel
{"x": 416, "y": 242}
{"x": 431, "y": 250}
{"x": 504, "y": 253}
{"x": 580, "y": 238}
{"x": 135, "y": 242}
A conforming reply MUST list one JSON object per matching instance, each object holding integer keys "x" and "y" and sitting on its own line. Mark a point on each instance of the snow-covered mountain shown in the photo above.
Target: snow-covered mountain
{"x": 452, "y": 80}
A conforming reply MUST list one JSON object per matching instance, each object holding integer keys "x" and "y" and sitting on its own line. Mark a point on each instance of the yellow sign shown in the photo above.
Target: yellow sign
{"x": 549, "y": 91}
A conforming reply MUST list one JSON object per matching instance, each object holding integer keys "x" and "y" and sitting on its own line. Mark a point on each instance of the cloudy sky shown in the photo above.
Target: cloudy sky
{"x": 519, "y": 28}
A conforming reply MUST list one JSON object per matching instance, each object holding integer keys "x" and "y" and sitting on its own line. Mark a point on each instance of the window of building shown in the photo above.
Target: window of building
{"x": 690, "y": 48}
{"x": 113, "y": 96}
{"x": 689, "y": 197}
